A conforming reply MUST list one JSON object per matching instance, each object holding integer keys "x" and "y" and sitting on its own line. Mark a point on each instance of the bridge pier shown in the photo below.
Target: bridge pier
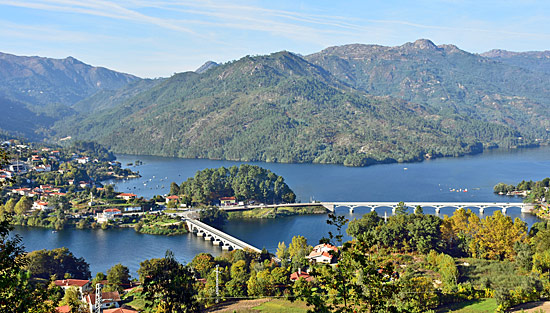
{"x": 217, "y": 242}
{"x": 351, "y": 209}
{"x": 372, "y": 209}
{"x": 504, "y": 211}
{"x": 208, "y": 237}
{"x": 226, "y": 247}
{"x": 437, "y": 210}
{"x": 481, "y": 210}
{"x": 200, "y": 234}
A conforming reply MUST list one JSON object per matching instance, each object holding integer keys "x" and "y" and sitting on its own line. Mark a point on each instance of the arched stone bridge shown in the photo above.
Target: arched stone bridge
{"x": 217, "y": 237}
{"x": 481, "y": 206}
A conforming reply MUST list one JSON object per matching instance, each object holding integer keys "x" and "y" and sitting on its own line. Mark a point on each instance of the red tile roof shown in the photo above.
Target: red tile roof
{"x": 295, "y": 276}
{"x": 71, "y": 282}
{"x": 107, "y": 297}
{"x": 63, "y": 309}
{"x": 172, "y": 197}
{"x": 227, "y": 198}
{"x": 119, "y": 310}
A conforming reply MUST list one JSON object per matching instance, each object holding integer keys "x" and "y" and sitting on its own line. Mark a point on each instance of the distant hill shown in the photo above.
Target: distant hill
{"x": 447, "y": 80}
{"x": 206, "y": 66}
{"x": 354, "y": 104}
{"x": 281, "y": 108}
{"x": 536, "y": 61}
{"x": 43, "y": 89}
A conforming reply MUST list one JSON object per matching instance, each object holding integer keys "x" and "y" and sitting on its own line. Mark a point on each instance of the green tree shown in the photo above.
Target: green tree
{"x": 23, "y": 205}
{"x": 118, "y": 275}
{"x": 213, "y": 217}
{"x": 60, "y": 261}
{"x": 9, "y": 207}
{"x": 203, "y": 263}
{"x": 168, "y": 286}
{"x": 17, "y": 294}
{"x": 72, "y": 299}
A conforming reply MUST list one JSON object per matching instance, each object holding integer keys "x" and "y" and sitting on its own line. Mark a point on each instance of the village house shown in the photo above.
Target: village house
{"x": 127, "y": 196}
{"x": 173, "y": 198}
{"x": 41, "y": 206}
{"x": 322, "y": 254}
{"x": 82, "y": 285}
{"x": 299, "y": 274}
{"x": 228, "y": 201}
{"x": 18, "y": 167}
{"x": 107, "y": 215}
{"x": 82, "y": 160}
{"x": 43, "y": 168}
{"x": 109, "y": 299}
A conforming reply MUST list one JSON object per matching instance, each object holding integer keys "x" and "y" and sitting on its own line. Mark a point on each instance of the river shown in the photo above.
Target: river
{"x": 431, "y": 180}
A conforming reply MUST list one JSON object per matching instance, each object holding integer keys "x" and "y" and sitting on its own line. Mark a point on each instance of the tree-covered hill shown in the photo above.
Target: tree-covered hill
{"x": 35, "y": 91}
{"x": 281, "y": 108}
{"x": 446, "y": 79}
{"x": 536, "y": 61}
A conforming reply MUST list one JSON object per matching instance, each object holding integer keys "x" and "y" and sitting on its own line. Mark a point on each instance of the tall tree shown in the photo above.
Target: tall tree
{"x": 117, "y": 276}
{"x": 168, "y": 286}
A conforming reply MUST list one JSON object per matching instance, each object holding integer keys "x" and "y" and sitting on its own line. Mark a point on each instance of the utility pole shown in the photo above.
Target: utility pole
{"x": 217, "y": 283}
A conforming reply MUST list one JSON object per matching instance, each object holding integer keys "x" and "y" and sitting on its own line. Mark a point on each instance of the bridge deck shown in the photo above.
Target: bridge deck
{"x": 223, "y": 235}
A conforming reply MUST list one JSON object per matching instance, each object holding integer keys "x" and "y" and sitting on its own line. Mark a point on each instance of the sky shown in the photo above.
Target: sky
{"x": 157, "y": 38}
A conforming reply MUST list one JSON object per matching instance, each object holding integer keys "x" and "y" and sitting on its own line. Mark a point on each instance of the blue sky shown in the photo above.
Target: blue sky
{"x": 152, "y": 38}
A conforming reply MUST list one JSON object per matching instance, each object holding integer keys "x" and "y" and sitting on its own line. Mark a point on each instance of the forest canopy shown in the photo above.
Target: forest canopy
{"x": 245, "y": 183}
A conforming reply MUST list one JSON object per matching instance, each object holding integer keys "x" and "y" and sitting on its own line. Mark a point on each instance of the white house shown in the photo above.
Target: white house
{"x": 82, "y": 285}
{"x": 322, "y": 253}
{"x": 107, "y": 215}
{"x": 41, "y": 206}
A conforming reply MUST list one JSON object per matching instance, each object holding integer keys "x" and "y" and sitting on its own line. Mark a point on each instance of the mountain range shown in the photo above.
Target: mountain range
{"x": 354, "y": 104}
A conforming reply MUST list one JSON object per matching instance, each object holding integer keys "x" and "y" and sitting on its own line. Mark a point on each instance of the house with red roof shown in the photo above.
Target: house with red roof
{"x": 82, "y": 285}
{"x": 228, "y": 200}
{"x": 173, "y": 198}
{"x": 41, "y": 206}
{"x": 299, "y": 274}
{"x": 120, "y": 310}
{"x": 108, "y": 300}
{"x": 127, "y": 196}
{"x": 107, "y": 215}
{"x": 323, "y": 253}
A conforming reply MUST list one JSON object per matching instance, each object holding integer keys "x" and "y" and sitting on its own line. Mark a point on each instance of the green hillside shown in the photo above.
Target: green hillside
{"x": 282, "y": 108}
{"x": 448, "y": 80}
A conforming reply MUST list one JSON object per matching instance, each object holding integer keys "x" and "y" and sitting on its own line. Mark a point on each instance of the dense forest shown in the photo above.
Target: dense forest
{"x": 245, "y": 183}
{"x": 281, "y": 108}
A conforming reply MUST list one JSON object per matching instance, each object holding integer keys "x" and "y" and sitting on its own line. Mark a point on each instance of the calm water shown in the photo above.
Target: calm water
{"x": 432, "y": 180}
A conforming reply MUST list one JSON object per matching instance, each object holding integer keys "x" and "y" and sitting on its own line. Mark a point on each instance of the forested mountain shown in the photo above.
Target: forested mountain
{"x": 36, "y": 91}
{"x": 537, "y": 61}
{"x": 353, "y": 104}
{"x": 281, "y": 108}
{"x": 446, "y": 79}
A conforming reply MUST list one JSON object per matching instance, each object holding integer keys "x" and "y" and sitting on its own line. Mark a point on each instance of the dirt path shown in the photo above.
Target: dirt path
{"x": 532, "y": 307}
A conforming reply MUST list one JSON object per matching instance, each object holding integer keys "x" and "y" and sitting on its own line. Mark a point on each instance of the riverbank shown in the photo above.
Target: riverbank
{"x": 270, "y": 213}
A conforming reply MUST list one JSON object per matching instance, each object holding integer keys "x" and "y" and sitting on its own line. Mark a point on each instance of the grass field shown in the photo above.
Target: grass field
{"x": 277, "y": 305}
{"x": 473, "y": 306}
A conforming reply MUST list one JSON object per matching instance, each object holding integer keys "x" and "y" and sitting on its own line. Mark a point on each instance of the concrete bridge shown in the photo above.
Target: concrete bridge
{"x": 217, "y": 237}
{"x": 481, "y": 206}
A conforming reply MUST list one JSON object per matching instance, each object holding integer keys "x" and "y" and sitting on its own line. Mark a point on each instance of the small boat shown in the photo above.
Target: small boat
{"x": 54, "y": 231}
{"x": 405, "y": 168}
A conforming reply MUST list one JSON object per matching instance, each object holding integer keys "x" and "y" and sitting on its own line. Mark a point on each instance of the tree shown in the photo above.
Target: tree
{"x": 298, "y": 249}
{"x": 9, "y": 207}
{"x": 202, "y": 263}
{"x": 60, "y": 261}
{"x": 72, "y": 299}
{"x": 213, "y": 217}
{"x": 168, "y": 286}
{"x": 174, "y": 189}
{"x": 17, "y": 294}
{"x": 117, "y": 276}
{"x": 23, "y": 205}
